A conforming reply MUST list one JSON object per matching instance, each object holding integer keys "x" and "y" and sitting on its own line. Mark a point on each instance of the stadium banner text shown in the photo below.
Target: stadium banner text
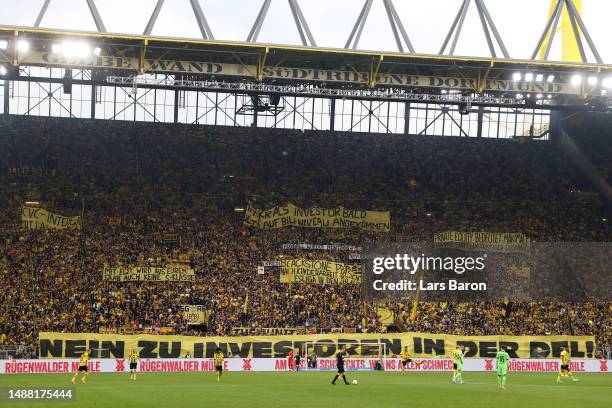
{"x": 195, "y": 314}
{"x": 317, "y": 217}
{"x": 494, "y": 241}
{"x": 145, "y": 273}
{"x": 320, "y": 272}
{"x": 266, "y": 331}
{"x": 72, "y": 345}
{"x": 290, "y": 73}
{"x": 174, "y": 365}
{"x": 39, "y": 218}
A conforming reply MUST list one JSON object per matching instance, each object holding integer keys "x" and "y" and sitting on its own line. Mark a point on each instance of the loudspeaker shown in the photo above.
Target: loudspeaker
{"x": 67, "y": 84}
{"x": 274, "y": 99}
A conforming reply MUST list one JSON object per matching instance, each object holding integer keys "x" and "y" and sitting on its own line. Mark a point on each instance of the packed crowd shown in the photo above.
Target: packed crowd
{"x": 591, "y": 132}
{"x": 138, "y": 184}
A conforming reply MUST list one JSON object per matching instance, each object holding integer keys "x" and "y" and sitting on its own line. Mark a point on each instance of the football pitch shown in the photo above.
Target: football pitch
{"x": 313, "y": 389}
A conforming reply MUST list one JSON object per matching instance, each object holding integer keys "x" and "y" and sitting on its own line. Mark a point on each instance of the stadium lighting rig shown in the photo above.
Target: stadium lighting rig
{"x": 532, "y": 76}
{"x": 71, "y": 49}
{"x": 23, "y": 46}
{"x": 68, "y": 48}
{"x": 576, "y": 79}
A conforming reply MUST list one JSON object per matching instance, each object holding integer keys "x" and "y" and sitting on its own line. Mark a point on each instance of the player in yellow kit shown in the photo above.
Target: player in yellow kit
{"x": 134, "y": 357}
{"x": 218, "y": 360}
{"x": 405, "y": 357}
{"x": 565, "y": 366}
{"x": 82, "y": 368}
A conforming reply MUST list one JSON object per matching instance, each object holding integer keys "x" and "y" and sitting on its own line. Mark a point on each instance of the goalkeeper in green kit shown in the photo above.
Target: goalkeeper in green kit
{"x": 502, "y": 359}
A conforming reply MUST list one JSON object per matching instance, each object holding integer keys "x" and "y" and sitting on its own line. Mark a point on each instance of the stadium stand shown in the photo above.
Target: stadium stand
{"x": 151, "y": 194}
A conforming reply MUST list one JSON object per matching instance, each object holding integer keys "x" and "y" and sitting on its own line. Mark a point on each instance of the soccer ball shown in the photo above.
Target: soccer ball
{"x": 354, "y": 382}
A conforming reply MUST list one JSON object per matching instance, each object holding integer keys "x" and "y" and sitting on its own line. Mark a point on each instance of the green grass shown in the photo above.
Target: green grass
{"x": 313, "y": 389}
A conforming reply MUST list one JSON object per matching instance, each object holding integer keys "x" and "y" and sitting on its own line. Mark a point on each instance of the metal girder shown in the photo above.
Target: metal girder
{"x": 261, "y": 62}
{"x": 374, "y": 67}
{"x": 92, "y": 9}
{"x": 396, "y": 23}
{"x": 297, "y": 23}
{"x": 552, "y": 22}
{"x": 304, "y": 23}
{"x": 578, "y": 29}
{"x": 576, "y": 32}
{"x": 49, "y": 94}
{"x": 153, "y": 18}
{"x": 301, "y": 24}
{"x": 553, "y": 30}
{"x": 485, "y": 29}
{"x": 169, "y": 83}
{"x": 254, "y": 33}
{"x": 358, "y": 27}
{"x": 201, "y": 19}
{"x": 450, "y": 31}
{"x": 96, "y": 16}
{"x": 5, "y": 90}
{"x": 488, "y": 27}
{"x": 298, "y": 17}
{"x": 576, "y": 16}
{"x": 444, "y": 112}
{"x": 463, "y": 11}
{"x": 489, "y": 19}
{"x": 393, "y": 27}
{"x": 42, "y": 12}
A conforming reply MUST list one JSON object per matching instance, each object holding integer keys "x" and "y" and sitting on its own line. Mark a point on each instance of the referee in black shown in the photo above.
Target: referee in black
{"x": 340, "y": 356}
{"x": 298, "y": 358}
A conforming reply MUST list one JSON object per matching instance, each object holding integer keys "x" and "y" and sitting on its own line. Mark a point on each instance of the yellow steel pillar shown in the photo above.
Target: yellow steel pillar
{"x": 569, "y": 46}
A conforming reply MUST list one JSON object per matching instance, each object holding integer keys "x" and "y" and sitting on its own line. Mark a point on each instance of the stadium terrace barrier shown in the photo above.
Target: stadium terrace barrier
{"x": 281, "y": 364}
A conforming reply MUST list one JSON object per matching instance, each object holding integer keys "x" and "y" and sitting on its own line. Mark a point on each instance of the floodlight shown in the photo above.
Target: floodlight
{"x": 3, "y": 70}
{"x": 516, "y": 76}
{"x": 539, "y": 77}
{"x": 529, "y": 76}
{"x": 539, "y": 96}
{"x": 550, "y": 78}
{"x": 576, "y": 79}
{"x": 592, "y": 80}
{"x": 82, "y": 50}
{"x": 97, "y": 51}
{"x": 56, "y": 48}
{"x": 607, "y": 83}
{"x": 519, "y": 96}
{"x": 23, "y": 46}
{"x": 3, "y": 44}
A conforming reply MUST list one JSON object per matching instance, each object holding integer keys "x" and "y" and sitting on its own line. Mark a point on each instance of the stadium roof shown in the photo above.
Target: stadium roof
{"x": 423, "y": 24}
{"x": 292, "y": 56}
{"x": 122, "y": 59}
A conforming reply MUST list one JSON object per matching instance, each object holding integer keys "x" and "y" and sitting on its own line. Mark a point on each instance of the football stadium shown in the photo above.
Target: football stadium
{"x": 305, "y": 203}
